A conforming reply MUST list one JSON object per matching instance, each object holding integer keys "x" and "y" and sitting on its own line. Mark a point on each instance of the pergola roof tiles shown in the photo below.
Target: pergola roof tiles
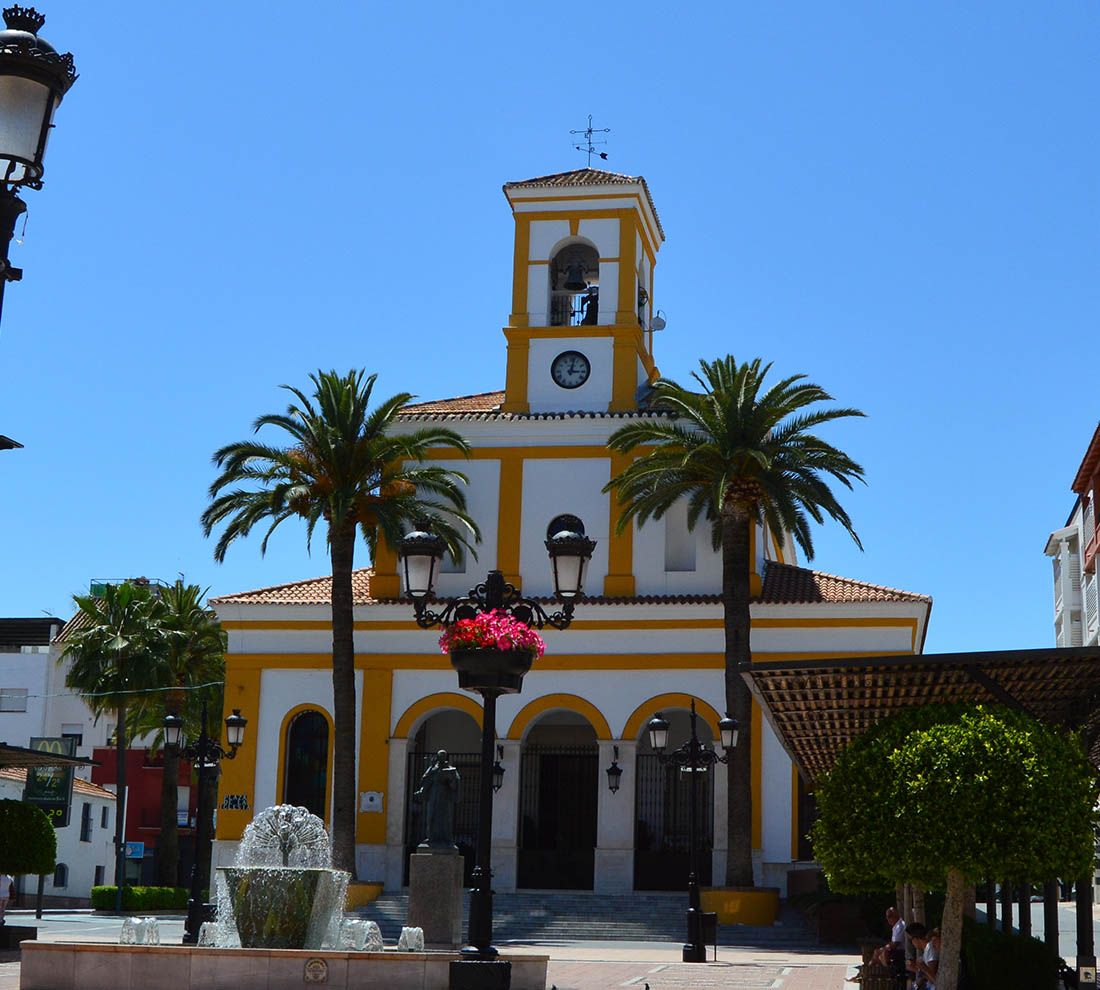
{"x": 818, "y": 706}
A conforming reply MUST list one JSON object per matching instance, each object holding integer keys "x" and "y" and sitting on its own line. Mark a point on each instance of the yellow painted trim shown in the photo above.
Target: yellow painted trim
{"x": 443, "y": 701}
{"x": 757, "y": 776}
{"x": 794, "y": 812}
{"x": 651, "y": 234}
{"x": 627, "y": 310}
{"x": 624, "y": 376}
{"x": 579, "y": 662}
{"x": 548, "y": 452}
{"x": 558, "y": 702}
{"x": 520, "y": 255}
{"x": 361, "y": 894}
{"x": 238, "y": 776}
{"x": 632, "y": 730}
{"x": 756, "y": 583}
{"x": 742, "y": 907}
{"x": 280, "y": 774}
{"x": 574, "y": 226}
{"x": 510, "y": 518}
{"x": 778, "y": 544}
{"x": 385, "y": 583}
{"x": 516, "y": 375}
{"x": 374, "y": 761}
{"x": 624, "y": 331}
{"x": 620, "y": 546}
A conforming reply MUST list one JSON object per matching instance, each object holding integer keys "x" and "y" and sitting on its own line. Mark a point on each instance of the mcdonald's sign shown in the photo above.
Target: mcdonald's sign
{"x": 51, "y": 788}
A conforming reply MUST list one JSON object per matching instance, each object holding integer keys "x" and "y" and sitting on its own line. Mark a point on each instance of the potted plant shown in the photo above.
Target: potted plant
{"x": 491, "y": 651}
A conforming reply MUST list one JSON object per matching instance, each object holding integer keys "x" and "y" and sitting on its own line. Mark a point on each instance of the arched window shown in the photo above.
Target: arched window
{"x": 575, "y": 286}
{"x": 61, "y": 875}
{"x": 305, "y": 776}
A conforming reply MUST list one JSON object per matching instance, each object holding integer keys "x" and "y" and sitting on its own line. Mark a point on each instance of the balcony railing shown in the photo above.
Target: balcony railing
{"x": 573, "y": 309}
{"x": 1090, "y": 553}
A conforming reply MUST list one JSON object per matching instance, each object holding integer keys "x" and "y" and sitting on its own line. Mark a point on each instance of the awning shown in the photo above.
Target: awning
{"x": 20, "y": 756}
{"x": 816, "y": 707}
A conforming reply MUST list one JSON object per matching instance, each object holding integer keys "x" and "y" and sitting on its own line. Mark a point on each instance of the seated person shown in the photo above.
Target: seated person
{"x": 891, "y": 956}
{"x": 926, "y": 965}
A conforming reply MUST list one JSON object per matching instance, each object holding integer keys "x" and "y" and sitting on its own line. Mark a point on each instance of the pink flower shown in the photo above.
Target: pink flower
{"x": 492, "y": 630}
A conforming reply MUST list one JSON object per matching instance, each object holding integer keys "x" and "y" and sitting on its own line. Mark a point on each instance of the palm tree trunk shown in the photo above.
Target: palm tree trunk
{"x": 342, "y": 550}
{"x": 735, "y": 608}
{"x": 120, "y": 803}
{"x": 168, "y": 843}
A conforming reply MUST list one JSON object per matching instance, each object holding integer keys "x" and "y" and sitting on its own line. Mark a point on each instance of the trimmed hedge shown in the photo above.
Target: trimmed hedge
{"x": 141, "y": 898}
{"x": 993, "y": 960}
{"x": 30, "y": 842}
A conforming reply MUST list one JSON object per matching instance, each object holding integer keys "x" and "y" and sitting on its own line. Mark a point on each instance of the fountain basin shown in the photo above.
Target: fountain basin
{"x": 100, "y": 966}
{"x": 280, "y": 907}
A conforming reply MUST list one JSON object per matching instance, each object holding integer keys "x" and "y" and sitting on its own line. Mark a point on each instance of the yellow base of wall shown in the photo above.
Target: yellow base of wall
{"x": 742, "y": 905}
{"x": 361, "y": 894}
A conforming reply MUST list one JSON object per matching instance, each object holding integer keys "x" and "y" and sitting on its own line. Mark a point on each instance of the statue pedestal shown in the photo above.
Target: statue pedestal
{"x": 435, "y": 896}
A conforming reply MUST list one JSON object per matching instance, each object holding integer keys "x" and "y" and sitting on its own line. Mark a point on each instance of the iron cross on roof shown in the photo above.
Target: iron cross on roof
{"x": 589, "y": 145}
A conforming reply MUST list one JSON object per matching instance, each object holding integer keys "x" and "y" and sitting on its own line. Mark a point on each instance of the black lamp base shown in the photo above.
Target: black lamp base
{"x": 481, "y": 974}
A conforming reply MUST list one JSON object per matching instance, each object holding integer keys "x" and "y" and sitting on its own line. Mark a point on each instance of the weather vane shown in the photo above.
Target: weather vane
{"x": 589, "y": 145}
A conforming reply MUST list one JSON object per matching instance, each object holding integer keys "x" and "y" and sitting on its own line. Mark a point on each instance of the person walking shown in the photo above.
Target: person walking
{"x": 7, "y": 884}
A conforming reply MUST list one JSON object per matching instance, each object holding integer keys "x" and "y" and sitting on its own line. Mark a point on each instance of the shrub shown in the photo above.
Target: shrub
{"x": 141, "y": 898}
{"x": 30, "y": 843}
{"x": 994, "y": 960}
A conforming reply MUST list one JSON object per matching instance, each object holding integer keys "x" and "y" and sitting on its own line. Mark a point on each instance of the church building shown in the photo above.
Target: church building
{"x": 647, "y": 637}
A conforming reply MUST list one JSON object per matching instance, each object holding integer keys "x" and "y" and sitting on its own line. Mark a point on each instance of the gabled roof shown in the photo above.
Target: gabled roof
{"x": 586, "y": 177}
{"x": 19, "y": 775}
{"x": 783, "y": 585}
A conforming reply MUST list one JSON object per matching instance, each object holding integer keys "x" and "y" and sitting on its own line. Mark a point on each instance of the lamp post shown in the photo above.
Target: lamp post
{"x": 206, "y": 753}
{"x": 33, "y": 80}
{"x": 421, "y": 556}
{"x": 692, "y": 758}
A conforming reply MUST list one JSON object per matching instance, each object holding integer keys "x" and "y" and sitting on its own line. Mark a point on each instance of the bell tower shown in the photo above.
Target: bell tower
{"x": 580, "y": 334}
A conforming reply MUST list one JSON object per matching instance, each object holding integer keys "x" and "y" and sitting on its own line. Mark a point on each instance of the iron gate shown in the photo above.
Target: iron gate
{"x": 469, "y": 769}
{"x": 557, "y": 817}
{"x": 662, "y": 859}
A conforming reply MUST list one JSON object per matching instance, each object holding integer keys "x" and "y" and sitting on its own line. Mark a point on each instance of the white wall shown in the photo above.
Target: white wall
{"x": 26, "y": 671}
{"x": 483, "y": 498}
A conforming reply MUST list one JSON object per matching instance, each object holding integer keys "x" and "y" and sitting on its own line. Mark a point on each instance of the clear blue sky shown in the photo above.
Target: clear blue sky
{"x": 900, "y": 200}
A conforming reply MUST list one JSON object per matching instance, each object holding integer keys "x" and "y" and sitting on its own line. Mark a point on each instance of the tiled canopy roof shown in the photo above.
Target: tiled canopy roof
{"x": 783, "y": 585}
{"x": 481, "y": 402}
{"x": 787, "y": 585}
{"x": 586, "y": 177}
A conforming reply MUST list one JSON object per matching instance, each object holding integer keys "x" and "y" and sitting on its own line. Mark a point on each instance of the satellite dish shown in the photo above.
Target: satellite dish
{"x": 658, "y": 322}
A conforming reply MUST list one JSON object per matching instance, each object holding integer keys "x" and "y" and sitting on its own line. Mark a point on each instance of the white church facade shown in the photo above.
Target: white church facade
{"x": 647, "y": 638}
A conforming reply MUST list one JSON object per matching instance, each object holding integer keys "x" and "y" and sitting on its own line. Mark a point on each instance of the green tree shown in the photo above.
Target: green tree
{"x": 112, "y": 657}
{"x": 740, "y": 454}
{"x": 943, "y": 796}
{"x": 347, "y": 466}
{"x": 190, "y": 670}
{"x": 30, "y": 842}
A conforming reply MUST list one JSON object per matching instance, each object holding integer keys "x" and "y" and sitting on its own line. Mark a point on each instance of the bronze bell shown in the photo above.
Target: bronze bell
{"x": 574, "y": 277}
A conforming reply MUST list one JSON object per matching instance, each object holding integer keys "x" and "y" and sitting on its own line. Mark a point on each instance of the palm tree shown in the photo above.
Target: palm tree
{"x": 343, "y": 465}
{"x": 112, "y": 658}
{"x": 741, "y": 455}
{"x": 191, "y": 668}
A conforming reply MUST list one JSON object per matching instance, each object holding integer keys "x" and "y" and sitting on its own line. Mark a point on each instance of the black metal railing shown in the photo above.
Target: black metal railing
{"x": 662, "y": 837}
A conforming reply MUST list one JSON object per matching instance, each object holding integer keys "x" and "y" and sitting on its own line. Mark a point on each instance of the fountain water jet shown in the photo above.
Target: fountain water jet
{"x": 281, "y": 891}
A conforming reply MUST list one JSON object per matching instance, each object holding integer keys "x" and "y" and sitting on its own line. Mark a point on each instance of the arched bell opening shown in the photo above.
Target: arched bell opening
{"x": 575, "y": 285}
{"x": 559, "y": 780}
{"x": 460, "y": 735}
{"x": 662, "y": 810}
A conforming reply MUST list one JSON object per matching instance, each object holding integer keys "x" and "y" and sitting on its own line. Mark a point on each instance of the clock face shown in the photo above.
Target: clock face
{"x": 570, "y": 369}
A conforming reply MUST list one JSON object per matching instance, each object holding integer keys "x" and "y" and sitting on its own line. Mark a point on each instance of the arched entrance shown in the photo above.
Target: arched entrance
{"x": 307, "y": 762}
{"x": 559, "y": 770}
{"x": 460, "y": 735}
{"x": 662, "y": 812}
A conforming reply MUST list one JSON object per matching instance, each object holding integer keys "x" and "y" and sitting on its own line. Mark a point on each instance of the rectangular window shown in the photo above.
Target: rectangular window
{"x": 86, "y": 822}
{"x": 104, "y": 814}
{"x": 13, "y": 699}
{"x": 99, "y": 871}
{"x": 61, "y": 875}
{"x": 679, "y": 540}
{"x": 74, "y": 732}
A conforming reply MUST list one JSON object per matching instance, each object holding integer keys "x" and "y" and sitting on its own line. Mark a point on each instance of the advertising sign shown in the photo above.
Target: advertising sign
{"x": 135, "y": 850}
{"x": 51, "y": 788}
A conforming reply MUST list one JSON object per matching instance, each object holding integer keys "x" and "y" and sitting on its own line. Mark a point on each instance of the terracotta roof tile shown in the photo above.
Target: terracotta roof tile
{"x": 80, "y": 786}
{"x": 587, "y": 177}
{"x": 785, "y": 584}
{"x": 312, "y": 591}
{"x": 480, "y": 402}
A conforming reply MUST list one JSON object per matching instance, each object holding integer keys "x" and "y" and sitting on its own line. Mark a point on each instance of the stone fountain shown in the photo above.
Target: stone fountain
{"x": 281, "y": 891}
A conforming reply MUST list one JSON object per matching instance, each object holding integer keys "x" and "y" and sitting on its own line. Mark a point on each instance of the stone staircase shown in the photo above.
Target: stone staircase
{"x": 552, "y": 916}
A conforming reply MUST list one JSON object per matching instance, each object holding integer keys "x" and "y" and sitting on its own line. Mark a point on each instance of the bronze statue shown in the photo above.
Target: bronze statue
{"x": 439, "y": 790}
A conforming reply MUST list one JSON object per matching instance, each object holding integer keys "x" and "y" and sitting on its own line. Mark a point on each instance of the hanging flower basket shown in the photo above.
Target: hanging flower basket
{"x": 491, "y": 651}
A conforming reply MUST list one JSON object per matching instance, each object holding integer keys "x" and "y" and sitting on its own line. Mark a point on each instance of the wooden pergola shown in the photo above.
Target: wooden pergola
{"x": 817, "y": 707}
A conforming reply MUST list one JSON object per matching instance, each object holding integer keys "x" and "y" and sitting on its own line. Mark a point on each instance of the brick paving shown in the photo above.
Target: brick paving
{"x": 589, "y": 975}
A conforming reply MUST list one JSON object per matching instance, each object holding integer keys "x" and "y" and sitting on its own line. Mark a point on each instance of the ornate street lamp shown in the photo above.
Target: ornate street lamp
{"x": 206, "y": 754}
{"x": 33, "y": 80}
{"x": 498, "y": 770}
{"x": 614, "y": 773}
{"x": 491, "y": 674}
{"x": 694, "y": 759}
